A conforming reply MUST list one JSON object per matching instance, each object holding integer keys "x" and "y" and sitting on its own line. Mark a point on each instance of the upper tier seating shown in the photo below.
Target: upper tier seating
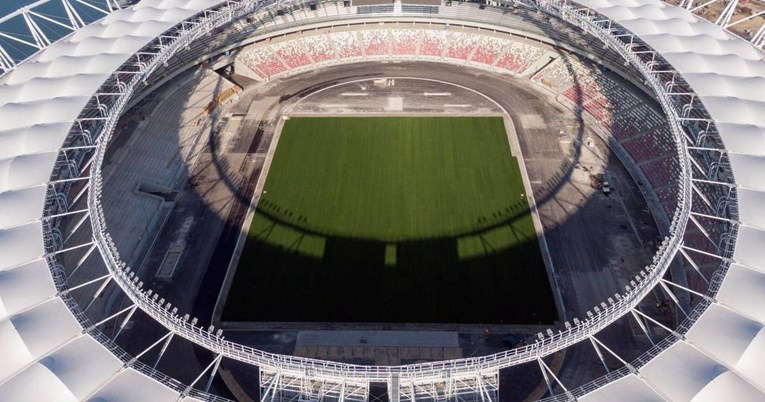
{"x": 263, "y": 61}
{"x": 347, "y": 44}
{"x": 519, "y": 57}
{"x": 375, "y": 42}
{"x": 405, "y": 41}
{"x": 293, "y": 54}
{"x": 433, "y": 43}
{"x": 487, "y": 50}
{"x": 637, "y": 128}
{"x": 319, "y": 47}
{"x": 461, "y": 45}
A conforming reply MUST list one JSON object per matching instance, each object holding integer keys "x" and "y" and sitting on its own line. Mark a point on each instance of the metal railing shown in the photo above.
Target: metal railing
{"x": 209, "y": 20}
{"x": 212, "y": 19}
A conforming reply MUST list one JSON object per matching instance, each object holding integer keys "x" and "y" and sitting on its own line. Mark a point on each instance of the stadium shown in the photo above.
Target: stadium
{"x": 415, "y": 200}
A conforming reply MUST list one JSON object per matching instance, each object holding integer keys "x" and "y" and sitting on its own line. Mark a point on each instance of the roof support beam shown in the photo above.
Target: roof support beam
{"x": 674, "y": 298}
{"x": 77, "y": 226}
{"x": 758, "y": 39}
{"x": 642, "y": 326}
{"x": 547, "y": 371}
{"x": 164, "y": 348}
{"x": 40, "y": 38}
{"x": 727, "y": 13}
{"x": 52, "y": 21}
{"x": 215, "y": 371}
{"x": 82, "y": 260}
{"x": 664, "y": 327}
{"x": 125, "y": 321}
{"x": 6, "y": 61}
{"x": 98, "y": 293}
{"x": 71, "y": 13}
{"x": 702, "y": 252}
{"x": 600, "y": 355}
{"x": 694, "y": 265}
{"x": 110, "y": 7}
{"x": 705, "y": 297}
{"x": 700, "y": 6}
{"x": 23, "y": 42}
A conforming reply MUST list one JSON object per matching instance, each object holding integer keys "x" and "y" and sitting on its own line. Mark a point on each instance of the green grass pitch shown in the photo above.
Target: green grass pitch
{"x": 429, "y": 210}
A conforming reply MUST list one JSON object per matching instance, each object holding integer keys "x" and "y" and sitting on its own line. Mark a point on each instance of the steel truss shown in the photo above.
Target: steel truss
{"x": 706, "y": 199}
{"x": 480, "y": 386}
{"x": 725, "y": 19}
{"x": 32, "y": 28}
{"x": 283, "y": 386}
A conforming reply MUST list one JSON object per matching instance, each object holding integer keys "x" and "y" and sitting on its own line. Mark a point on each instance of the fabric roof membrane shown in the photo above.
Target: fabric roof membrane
{"x": 46, "y": 356}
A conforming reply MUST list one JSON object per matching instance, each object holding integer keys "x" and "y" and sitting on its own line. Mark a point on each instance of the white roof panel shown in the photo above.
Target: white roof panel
{"x": 729, "y": 387}
{"x": 749, "y": 246}
{"x": 35, "y": 325}
{"x": 728, "y": 336}
{"x": 749, "y": 202}
{"x": 44, "y": 356}
{"x": 25, "y": 286}
{"x": 12, "y": 348}
{"x": 35, "y": 384}
{"x": 132, "y": 386}
{"x": 625, "y": 389}
{"x": 747, "y": 169}
{"x": 27, "y": 205}
{"x": 20, "y": 245}
{"x": 743, "y": 290}
{"x": 743, "y": 139}
{"x": 681, "y": 372}
{"x": 727, "y": 72}
{"x": 32, "y": 139}
{"x": 82, "y": 365}
{"x": 26, "y": 170}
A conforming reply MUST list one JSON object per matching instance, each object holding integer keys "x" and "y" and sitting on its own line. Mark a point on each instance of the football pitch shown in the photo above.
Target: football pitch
{"x": 392, "y": 220}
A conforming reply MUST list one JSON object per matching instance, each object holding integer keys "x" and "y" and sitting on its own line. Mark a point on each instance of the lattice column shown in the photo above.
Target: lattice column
{"x": 282, "y": 386}
{"x": 465, "y": 387}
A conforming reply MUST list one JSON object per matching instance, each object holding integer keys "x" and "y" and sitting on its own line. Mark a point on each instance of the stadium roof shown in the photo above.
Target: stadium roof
{"x": 721, "y": 357}
{"x": 47, "y": 355}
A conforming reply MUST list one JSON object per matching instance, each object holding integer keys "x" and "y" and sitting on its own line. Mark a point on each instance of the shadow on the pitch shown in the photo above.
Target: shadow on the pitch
{"x": 365, "y": 280}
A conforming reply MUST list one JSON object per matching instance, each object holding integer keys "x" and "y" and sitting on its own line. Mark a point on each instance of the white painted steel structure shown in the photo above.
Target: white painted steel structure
{"x": 59, "y": 109}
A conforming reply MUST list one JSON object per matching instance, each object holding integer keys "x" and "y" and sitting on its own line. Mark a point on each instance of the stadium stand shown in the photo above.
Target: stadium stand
{"x": 405, "y": 41}
{"x": 433, "y": 43}
{"x": 376, "y": 42}
{"x": 157, "y": 155}
{"x": 45, "y": 340}
{"x": 319, "y": 48}
{"x": 621, "y": 115}
{"x": 293, "y": 54}
{"x": 264, "y": 62}
{"x": 347, "y": 44}
{"x": 519, "y": 57}
{"x": 487, "y": 50}
{"x": 271, "y": 60}
{"x": 461, "y": 45}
